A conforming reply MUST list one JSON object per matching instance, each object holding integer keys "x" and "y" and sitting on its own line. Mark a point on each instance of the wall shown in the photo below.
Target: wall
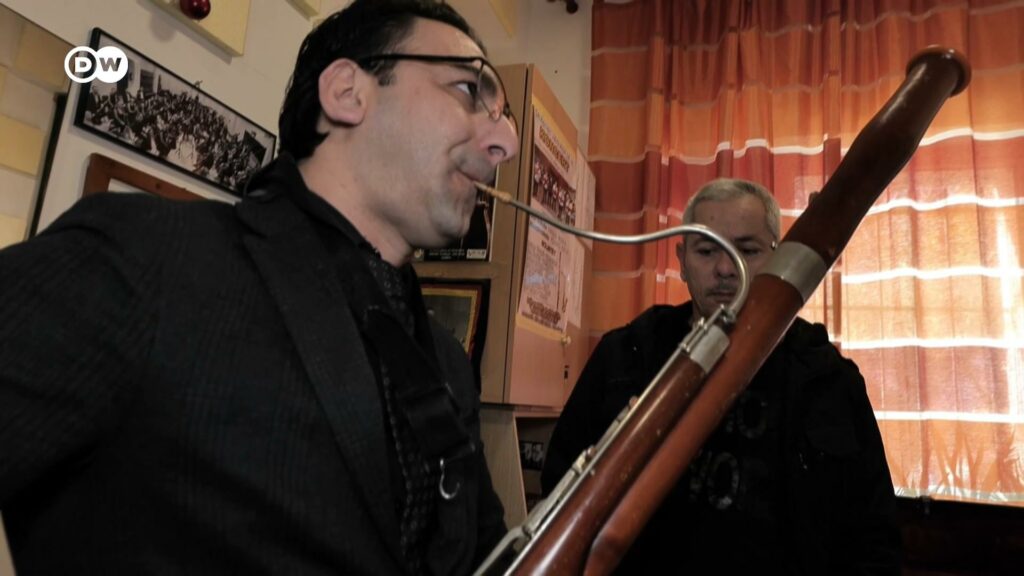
{"x": 27, "y": 107}
{"x": 557, "y": 42}
{"x": 253, "y": 83}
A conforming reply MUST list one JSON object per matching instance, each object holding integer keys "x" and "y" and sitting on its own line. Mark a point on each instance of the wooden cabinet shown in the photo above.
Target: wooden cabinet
{"x": 520, "y": 367}
{"x": 526, "y": 375}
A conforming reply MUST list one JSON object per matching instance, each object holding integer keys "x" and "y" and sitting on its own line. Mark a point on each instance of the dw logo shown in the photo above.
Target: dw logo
{"x": 108, "y": 64}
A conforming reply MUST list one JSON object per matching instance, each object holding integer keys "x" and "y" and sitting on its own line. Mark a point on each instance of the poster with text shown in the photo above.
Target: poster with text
{"x": 551, "y": 274}
{"x": 585, "y": 193}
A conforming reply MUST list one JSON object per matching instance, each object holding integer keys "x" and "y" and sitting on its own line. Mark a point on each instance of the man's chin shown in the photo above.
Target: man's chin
{"x": 446, "y": 238}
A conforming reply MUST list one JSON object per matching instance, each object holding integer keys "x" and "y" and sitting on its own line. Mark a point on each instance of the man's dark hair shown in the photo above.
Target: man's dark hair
{"x": 364, "y": 28}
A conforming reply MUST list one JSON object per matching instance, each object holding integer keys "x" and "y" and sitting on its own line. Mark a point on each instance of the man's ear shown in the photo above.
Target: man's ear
{"x": 342, "y": 90}
{"x": 680, "y": 254}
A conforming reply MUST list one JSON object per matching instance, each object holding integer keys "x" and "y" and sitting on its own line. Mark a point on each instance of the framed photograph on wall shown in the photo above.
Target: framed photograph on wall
{"x": 461, "y": 307}
{"x": 156, "y": 113}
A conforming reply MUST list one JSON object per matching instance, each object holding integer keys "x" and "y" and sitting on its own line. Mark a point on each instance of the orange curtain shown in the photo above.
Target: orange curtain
{"x": 927, "y": 298}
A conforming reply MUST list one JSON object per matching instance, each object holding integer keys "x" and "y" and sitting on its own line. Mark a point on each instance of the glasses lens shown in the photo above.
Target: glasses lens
{"x": 490, "y": 93}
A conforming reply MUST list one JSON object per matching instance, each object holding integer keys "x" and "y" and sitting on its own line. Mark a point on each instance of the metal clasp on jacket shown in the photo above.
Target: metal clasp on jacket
{"x": 444, "y": 463}
{"x": 445, "y": 493}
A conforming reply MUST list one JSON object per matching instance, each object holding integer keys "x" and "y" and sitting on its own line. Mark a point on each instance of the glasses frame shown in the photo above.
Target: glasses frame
{"x": 506, "y": 110}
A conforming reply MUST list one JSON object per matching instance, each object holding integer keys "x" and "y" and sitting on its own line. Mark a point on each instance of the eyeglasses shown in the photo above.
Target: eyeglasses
{"x": 489, "y": 92}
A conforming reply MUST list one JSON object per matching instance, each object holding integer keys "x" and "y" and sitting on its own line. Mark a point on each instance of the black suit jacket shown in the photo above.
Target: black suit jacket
{"x": 793, "y": 480}
{"x": 183, "y": 390}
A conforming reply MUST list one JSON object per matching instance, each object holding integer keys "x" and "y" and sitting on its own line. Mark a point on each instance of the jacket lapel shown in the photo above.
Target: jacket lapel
{"x": 295, "y": 266}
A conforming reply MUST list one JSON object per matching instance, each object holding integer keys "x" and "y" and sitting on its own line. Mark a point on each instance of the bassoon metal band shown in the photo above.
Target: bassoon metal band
{"x": 797, "y": 265}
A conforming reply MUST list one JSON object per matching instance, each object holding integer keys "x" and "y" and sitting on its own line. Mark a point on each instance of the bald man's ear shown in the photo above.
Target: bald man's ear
{"x": 342, "y": 90}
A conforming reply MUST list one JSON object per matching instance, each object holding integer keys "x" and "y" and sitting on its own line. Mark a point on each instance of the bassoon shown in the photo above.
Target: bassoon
{"x": 596, "y": 511}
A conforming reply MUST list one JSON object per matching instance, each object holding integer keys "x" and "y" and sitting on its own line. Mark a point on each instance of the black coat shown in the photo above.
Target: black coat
{"x": 183, "y": 389}
{"x": 793, "y": 481}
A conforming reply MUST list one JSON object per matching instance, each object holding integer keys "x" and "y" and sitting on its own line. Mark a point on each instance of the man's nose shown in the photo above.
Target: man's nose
{"x": 724, "y": 267}
{"x": 500, "y": 139}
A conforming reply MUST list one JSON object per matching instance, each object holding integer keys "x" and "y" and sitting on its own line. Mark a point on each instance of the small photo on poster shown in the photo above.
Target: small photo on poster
{"x": 552, "y": 191}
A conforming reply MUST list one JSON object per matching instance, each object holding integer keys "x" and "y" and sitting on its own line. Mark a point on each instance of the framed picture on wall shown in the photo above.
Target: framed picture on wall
{"x": 156, "y": 113}
{"x": 461, "y": 307}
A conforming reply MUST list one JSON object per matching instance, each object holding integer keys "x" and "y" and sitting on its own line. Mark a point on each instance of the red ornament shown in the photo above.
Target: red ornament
{"x": 195, "y": 9}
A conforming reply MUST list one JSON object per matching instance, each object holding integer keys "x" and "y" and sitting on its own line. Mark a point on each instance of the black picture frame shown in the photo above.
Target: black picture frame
{"x": 154, "y": 112}
{"x": 60, "y": 101}
{"x": 461, "y": 306}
